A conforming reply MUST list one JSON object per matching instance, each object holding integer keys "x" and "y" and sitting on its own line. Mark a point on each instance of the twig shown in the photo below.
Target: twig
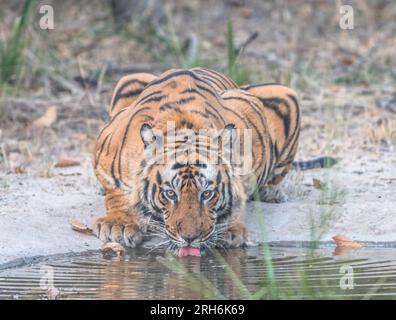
{"x": 239, "y": 51}
{"x": 65, "y": 84}
{"x": 93, "y": 76}
{"x": 130, "y": 69}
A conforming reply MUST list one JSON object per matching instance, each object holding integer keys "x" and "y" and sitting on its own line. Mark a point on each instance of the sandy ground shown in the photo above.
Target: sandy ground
{"x": 35, "y": 212}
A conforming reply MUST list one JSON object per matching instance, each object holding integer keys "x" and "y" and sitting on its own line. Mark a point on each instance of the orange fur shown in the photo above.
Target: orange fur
{"x": 192, "y": 99}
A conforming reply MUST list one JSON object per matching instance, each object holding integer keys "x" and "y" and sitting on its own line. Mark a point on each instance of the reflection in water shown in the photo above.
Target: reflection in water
{"x": 233, "y": 274}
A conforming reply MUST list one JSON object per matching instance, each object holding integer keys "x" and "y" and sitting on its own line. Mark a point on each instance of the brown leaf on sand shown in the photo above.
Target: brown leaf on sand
{"x": 347, "y": 61}
{"x": 62, "y": 163}
{"x": 342, "y": 251}
{"x": 20, "y": 169}
{"x": 80, "y": 227}
{"x": 342, "y": 241}
{"x": 112, "y": 249}
{"x": 316, "y": 183}
{"x": 47, "y": 119}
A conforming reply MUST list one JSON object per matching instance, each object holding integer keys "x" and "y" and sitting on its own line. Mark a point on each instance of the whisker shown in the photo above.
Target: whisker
{"x": 157, "y": 246}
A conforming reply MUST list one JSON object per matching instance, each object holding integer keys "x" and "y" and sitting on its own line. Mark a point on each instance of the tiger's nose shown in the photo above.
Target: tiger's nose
{"x": 188, "y": 234}
{"x": 189, "y": 239}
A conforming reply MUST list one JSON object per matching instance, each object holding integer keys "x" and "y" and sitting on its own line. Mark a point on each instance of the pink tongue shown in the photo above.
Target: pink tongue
{"x": 189, "y": 251}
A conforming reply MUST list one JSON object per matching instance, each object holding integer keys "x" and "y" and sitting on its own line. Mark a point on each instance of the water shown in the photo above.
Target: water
{"x": 140, "y": 274}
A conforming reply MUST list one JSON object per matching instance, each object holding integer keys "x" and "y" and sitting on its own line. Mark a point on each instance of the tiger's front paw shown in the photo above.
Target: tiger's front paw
{"x": 235, "y": 236}
{"x": 118, "y": 228}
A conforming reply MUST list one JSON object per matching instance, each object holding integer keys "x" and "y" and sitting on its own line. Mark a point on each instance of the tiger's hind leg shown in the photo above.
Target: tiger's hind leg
{"x": 127, "y": 91}
{"x": 272, "y": 191}
{"x": 269, "y": 193}
{"x": 280, "y": 107}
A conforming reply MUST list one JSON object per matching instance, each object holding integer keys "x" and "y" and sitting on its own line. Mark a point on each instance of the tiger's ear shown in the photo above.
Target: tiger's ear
{"x": 147, "y": 134}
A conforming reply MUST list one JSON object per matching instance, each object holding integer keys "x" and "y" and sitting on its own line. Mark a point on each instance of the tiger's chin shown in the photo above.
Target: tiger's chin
{"x": 235, "y": 236}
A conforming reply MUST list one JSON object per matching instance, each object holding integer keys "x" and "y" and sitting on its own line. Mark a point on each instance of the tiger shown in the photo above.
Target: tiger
{"x": 191, "y": 201}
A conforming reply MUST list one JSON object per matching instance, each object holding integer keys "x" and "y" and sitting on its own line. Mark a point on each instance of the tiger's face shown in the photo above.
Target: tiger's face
{"x": 191, "y": 200}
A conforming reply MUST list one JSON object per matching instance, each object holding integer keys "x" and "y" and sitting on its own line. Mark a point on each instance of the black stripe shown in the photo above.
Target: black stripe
{"x": 252, "y": 105}
{"x": 192, "y": 90}
{"x": 294, "y": 99}
{"x": 268, "y": 166}
{"x": 101, "y": 149}
{"x": 215, "y": 82}
{"x": 217, "y": 76}
{"x": 178, "y": 165}
{"x": 167, "y": 106}
{"x": 109, "y": 144}
{"x": 116, "y": 181}
{"x": 218, "y": 178}
{"x": 212, "y": 79}
{"x": 249, "y": 125}
{"x": 151, "y": 200}
{"x": 250, "y": 86}
{"x": 176, "y": 74}
{"x": 211, "y": 92}
{"x": 145, "y": 189}
{"x": 294, "y": 137}
{"x": 273, "y": 103}
{"x": 203, "y": 114}
{"x": 154, "y": 99}
{"x": 219, "y": 116}
{"x": 159, "y": 178}
{"x": 127, "y": 83}
{"x": 225, "y": 78}
{"x": 184, "y": 101}
{"x": 120, "y": 95}
{"x": 111, "y": 121}
{"x": 142, "y": 99}
{"x": 124, "y": 139}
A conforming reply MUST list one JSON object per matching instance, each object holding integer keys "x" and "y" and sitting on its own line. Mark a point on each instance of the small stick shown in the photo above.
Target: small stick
{"x": 249, "y": 40}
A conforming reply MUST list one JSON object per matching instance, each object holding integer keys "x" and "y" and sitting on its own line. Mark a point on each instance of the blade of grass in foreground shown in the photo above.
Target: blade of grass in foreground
{"x": 11, "y": 50}
{"x": 270, "y": 273}
{"x": 193, "y": 281}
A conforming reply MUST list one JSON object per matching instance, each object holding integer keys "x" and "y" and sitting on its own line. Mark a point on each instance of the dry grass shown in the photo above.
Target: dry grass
{"x": 383, "y": 132}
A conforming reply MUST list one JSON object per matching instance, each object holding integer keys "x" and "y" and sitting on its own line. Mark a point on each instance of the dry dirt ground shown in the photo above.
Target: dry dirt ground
{"x": 345, "y": 79}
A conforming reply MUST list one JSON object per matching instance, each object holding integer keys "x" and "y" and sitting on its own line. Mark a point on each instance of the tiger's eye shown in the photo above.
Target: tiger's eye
{"x": 207, "y": 194}
{"x": 171, "y": 194}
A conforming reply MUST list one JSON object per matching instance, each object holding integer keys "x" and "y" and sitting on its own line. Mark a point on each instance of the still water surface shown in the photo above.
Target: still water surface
{"x": 239, "y": 273}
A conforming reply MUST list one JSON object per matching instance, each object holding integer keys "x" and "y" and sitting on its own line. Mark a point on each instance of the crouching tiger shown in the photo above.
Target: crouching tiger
{"x": 157, "y": 180}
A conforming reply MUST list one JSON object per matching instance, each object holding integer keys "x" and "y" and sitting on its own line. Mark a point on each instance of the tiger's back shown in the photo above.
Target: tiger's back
{"x": 199, "y": 99}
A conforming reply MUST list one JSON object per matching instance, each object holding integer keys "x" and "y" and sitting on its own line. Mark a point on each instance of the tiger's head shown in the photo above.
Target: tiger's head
{"x": 191, "y": 197}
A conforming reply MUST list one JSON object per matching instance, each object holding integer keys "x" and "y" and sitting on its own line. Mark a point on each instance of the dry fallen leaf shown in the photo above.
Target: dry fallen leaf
{"x": 62, "y": 163}
{"x": 347, "y": 61}
{"x": 316, "y": 183}
{"x": 47, "y": 119}
{"x": 342, "y": 251}
{"x": 342, "y": 241}
{"x": 20, "y": 169}
{"x": 112, "y": 249}
{"x": 80, "y": 227}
